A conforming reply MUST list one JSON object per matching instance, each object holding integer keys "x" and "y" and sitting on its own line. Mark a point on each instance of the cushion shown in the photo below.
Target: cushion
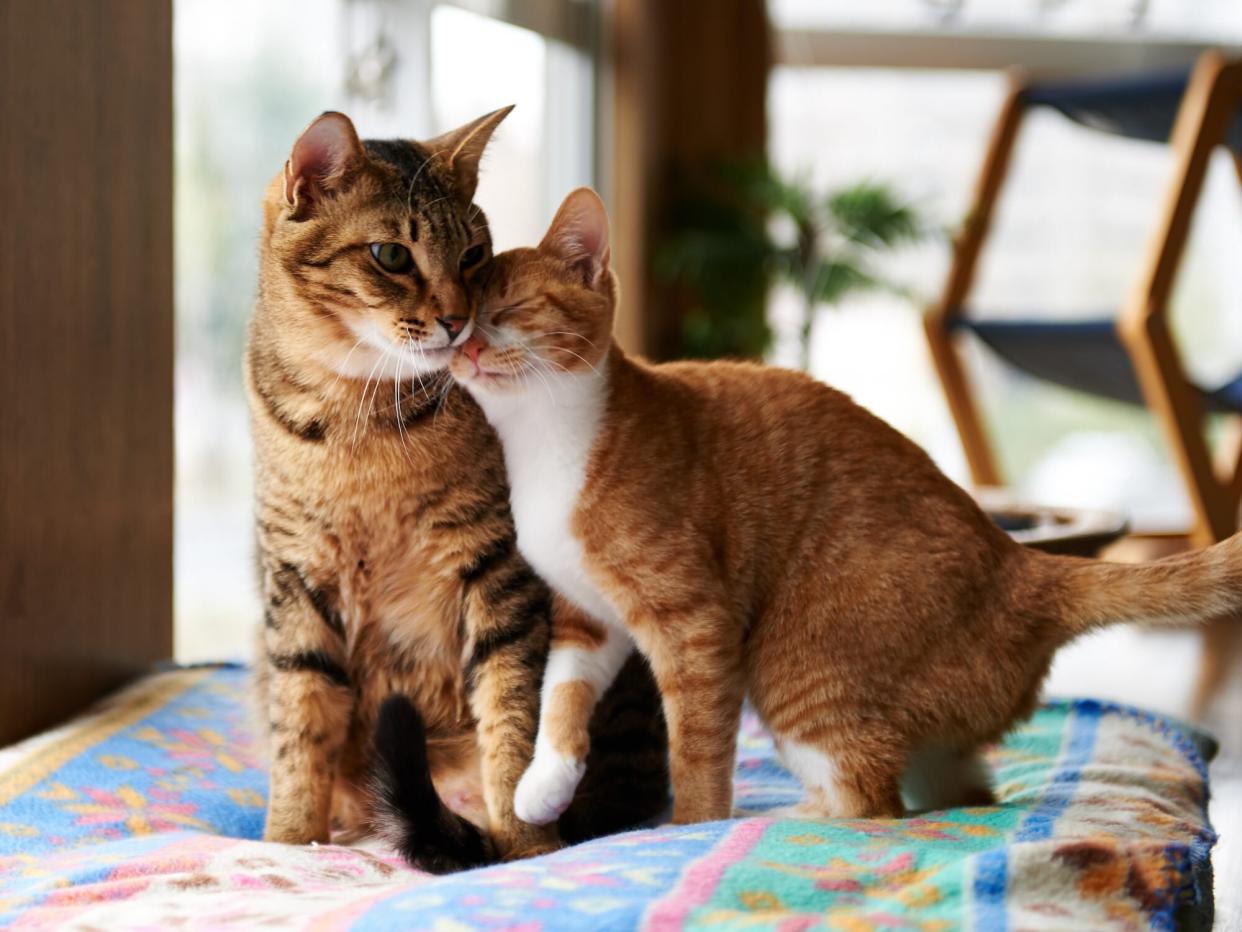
{"x": 148, "y": 811}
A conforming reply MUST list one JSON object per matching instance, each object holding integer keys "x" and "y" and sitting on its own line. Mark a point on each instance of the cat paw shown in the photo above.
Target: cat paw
{"x": 547, "y": 788}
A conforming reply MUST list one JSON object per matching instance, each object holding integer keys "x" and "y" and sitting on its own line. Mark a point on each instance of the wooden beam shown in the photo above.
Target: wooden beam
{"x": 853, "y": 47}
{"x": 966, "y": 248}
{"x": 689, "y": 91}
{"x": 86, "y": 352}
{"x": 567, "y": 21}
{"x": 1210, "y": 103}
{"x": 1203, "y": 118}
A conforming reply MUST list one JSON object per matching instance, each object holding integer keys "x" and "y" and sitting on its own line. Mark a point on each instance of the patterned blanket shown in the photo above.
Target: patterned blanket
{"x": 145, "y": 814}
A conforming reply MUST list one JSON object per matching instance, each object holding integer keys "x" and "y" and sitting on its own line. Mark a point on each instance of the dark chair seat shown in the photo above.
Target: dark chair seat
{"x": 1141, "y": 106}
{"x": 1083, "y": 354}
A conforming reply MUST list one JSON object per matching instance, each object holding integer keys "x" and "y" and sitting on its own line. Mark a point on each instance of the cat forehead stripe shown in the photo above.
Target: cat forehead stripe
{"x": 412, "y": 163}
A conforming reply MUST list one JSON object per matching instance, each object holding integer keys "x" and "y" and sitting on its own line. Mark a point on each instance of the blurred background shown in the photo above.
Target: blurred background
{"x": 644, "y": 100}
{"x": 789, "y": 180}
{"x": 881, "y": 109}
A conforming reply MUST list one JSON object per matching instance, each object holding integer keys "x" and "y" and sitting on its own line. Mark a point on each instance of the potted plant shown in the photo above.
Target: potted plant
{"x": 748, "y": 227}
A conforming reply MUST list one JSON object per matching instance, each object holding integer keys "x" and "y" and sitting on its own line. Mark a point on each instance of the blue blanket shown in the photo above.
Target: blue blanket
{"x": 146, "y": 813}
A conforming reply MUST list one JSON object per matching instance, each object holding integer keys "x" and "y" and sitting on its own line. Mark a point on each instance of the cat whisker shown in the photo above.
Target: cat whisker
{"x": 435, "y": 418}
{"x": 568, "y": 333}
{"x": 572, "y": 353}
{"x": 340, "y": 372}
{"x": 409, "y": 197}
{"x": 353, "y": 444}
{"x": 446, "y": 386}
{"x": 532, "y": 368}
{"x": 548, "y": 364}
{"x": 396, "y": 397}
{"x": 437, "y": 201}
{"x": 375, "y": 391}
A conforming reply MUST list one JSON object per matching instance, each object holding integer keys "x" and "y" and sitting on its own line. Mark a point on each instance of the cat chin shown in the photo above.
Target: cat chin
{"x": 490, "y": 383}
{"x": 376, "y": 356}
{"x": 481, "y": 381}
{"x": 364, "y": 361}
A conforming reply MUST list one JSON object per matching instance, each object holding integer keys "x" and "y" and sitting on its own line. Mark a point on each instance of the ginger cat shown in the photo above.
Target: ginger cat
{"x": 755, "y": 533}
{"x": 404, "y": 637}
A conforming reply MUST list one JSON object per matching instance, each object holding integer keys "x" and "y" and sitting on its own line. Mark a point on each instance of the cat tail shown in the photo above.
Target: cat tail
{"x": 407, "y": 811}
{"x": 1187, "y": 589}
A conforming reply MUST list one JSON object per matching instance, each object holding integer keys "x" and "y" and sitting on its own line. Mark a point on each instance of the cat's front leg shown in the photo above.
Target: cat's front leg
{"x": 507, "y": 612}
{"x": 696, "y": 657}
{"x": 308, "y": 705}
{"x": 584, "y": 659}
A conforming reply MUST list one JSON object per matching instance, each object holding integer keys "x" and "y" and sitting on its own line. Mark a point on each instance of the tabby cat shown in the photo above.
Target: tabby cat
{"x": 755, "y": 533}
{"x": 404, "y": 636}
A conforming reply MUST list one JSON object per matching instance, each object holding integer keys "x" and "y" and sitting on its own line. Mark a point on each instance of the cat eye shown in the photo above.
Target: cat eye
{"x": 472, "y": 257}
{"x": 392, "y": 257}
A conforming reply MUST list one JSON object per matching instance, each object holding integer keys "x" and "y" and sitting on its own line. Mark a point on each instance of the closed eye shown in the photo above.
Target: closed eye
{"x": 494, "y": 316}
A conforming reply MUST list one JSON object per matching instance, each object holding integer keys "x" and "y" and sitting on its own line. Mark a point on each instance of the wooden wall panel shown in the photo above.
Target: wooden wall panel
{"x": 86, "y": 351}
{"x": 689, "y": 81}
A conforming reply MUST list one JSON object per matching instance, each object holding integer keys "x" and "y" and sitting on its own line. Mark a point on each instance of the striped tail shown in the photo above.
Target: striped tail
{"x": 1187, "y": 589}
{"x": 409, "y": 814}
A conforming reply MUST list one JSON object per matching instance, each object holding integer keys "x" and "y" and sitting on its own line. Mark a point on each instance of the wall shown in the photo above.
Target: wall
{"x": 86, "y": 351}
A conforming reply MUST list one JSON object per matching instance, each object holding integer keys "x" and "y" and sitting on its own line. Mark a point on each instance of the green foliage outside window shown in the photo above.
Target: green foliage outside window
{"x": 745, "y": 228}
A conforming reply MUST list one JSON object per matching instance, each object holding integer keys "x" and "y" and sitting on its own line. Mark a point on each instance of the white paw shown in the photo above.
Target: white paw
{"x": 547, "y": 788}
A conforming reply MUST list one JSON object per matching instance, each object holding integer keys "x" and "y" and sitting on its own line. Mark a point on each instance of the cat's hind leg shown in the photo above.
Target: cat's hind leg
{"x": 584, "y": 659}
{"x": 839, "y": 781}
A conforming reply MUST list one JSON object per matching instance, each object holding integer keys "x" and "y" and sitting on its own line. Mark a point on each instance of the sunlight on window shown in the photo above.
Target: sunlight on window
{"x": 1069, "y": 233}
{"x": 246, "y": 85}
{"x": 1207, "y": 20}
{"x": 479, "y": 64}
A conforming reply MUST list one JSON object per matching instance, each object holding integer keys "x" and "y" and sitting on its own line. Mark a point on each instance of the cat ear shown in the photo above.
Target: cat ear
{"x": 321, "y": 158}
{"x": 579, "y": 235}
{"x": 462, "y": 148}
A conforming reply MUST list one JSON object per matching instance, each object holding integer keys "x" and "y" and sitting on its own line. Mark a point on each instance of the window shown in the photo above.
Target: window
{"x": 1204, "y": 20}
{"x": 1067, "y": 239}
{"x": 246, "y": 84}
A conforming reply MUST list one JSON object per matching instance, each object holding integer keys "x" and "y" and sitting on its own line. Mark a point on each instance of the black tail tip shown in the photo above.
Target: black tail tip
{"x": 408, "y": 812}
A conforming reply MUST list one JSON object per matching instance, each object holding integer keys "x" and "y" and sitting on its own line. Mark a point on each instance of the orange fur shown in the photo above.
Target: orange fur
{"x": 757, "y": 533}
{"x": 574, "y": 628}
{"x": 566, "y": 730}
{"x": 384, "y": 541}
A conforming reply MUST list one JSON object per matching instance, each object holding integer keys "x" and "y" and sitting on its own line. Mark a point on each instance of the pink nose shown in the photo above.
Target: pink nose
{"x": 473, "y": 346}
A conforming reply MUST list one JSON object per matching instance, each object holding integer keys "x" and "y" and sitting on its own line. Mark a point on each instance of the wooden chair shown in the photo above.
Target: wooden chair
{"x": 1129, "y": 356}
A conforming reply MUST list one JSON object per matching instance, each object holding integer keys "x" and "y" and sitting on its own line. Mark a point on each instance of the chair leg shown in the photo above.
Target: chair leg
{"x": 1222, "y": 646}
{"x": 966, "y": 248}
{"x": 1203, "y": 118}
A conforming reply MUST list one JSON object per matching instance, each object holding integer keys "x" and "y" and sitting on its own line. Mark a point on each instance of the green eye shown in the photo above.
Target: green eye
{"x": 472, "y": 257}
{"x": 392, "y": 257}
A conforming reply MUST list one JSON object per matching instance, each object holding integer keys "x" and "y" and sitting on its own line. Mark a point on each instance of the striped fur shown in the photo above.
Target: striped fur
{"x": 758, "y": 534}
{"x": 385, "y": 544}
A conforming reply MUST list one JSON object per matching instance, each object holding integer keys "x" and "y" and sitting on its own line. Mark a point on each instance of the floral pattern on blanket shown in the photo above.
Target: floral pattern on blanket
{"x": 146, "y": 813}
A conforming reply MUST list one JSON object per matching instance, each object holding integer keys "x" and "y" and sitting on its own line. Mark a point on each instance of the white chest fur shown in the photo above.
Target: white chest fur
{"x": 547, "y": 432}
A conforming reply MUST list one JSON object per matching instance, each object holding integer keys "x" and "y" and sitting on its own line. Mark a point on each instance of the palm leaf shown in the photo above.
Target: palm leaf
{"x": 872, "y": 215}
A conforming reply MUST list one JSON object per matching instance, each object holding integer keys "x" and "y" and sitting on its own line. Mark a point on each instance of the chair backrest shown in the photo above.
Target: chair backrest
{"x": 1195, "y": 110}
{"x": 1138, "y": 106}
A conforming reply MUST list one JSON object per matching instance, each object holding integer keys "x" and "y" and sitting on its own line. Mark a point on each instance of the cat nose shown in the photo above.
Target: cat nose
{"x": 473, "y": 347}
{"x": 453, "y": 326}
